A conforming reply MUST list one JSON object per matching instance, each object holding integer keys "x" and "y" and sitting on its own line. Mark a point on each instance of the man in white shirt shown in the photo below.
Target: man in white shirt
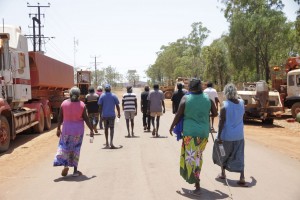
{"x": 213, "y": 95}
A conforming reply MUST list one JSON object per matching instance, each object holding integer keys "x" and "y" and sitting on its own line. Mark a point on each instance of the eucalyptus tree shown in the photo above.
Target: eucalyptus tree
{"x": 216, "y": 62}
{"x": 112, "y": 76}
{"x": 195, "y": 43}
{"x": 256, "y": 28}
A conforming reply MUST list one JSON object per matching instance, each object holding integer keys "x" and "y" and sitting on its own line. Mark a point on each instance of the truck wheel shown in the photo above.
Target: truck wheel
{"x": 295, "y": 109}
{"x": 168, "y": 95}
{"x": 268, "y": 121}
{"x": 47, "y": 119}
{"x": 38, "y": 128}
{"x": 4, "y": 134}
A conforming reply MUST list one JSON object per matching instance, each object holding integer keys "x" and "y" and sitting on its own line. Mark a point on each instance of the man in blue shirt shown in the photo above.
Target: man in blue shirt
{"x": 107, "y": 104}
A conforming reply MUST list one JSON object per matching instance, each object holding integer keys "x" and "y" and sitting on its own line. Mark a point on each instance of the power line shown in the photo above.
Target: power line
{"x": 37, "y": 19}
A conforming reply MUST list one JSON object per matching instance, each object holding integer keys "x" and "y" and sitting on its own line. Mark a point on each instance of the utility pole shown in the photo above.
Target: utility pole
{"x": 95, "y": 64}
{"x": 37, "y": 19}
{"x": 75, "y": 50}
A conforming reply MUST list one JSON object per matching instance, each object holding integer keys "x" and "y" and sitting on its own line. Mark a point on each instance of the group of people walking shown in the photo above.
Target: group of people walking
{"x": 194, "y": 112}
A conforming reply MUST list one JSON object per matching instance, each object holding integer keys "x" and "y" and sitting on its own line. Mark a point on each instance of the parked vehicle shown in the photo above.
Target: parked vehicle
{"x": 260, "y": 103}
{"x": 32, "y": 87}
{"x": 84, "y": 79}
{"x": 288, "y": 84}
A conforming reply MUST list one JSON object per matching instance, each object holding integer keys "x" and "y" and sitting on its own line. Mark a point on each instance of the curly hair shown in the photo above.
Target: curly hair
{"x": 230, "y": 91}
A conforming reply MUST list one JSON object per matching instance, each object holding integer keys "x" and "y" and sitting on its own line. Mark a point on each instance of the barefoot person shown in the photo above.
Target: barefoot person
{"x": 129, "y": 105}
{"x": 107, "y": 104}
{"x": 196, "y": 108}
{"x": 156, "y": 106}
{"x": 231, "y": 134}
{"x": 72, "y": 116}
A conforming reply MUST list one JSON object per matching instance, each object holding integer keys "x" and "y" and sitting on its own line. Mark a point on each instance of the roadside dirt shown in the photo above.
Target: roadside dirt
{"x": 283, "y": 137}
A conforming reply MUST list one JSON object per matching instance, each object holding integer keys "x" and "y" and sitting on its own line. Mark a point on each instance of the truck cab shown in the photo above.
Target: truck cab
{"x": 292, "y": 99}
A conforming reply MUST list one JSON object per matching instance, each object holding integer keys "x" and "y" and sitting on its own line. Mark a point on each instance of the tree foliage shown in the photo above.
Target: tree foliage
{"x": 259, "y": 38}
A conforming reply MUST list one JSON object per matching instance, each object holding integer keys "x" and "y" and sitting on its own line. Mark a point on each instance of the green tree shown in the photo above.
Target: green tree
{"x": 132, "y": 77}
{"x": 256, "y": 28}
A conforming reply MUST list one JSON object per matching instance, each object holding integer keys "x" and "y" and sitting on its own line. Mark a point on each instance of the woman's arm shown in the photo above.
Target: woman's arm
{"x": 59, "y": 122}
{"x": 87, "y": 121}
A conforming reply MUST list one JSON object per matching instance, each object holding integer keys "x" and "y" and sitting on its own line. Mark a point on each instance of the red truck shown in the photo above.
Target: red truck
{"x": 32, "y": 87}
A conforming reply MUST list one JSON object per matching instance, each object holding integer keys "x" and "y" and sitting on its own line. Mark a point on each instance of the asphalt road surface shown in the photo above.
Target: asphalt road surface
{"x": 142, "y": 168}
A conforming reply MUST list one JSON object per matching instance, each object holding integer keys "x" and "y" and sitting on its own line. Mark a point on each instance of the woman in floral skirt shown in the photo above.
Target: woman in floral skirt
{"x": 195, "y": 108}
{"x": 72, "y": 116}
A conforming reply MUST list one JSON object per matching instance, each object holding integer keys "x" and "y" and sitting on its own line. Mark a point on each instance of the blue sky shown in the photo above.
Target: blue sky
{"x": 125, "y": 34}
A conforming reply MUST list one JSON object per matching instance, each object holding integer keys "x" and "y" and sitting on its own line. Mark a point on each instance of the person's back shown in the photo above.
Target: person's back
{"x": 108, "y": 101}
{"x": 91, "y": 101}
{"x": 211, "y": 92}
{"x": 177, "y": 97}
{"x": 144, "y": 100}
{"x": 72, "y": 111}
{"x": 156, "y": 97}
{"x": 129, "y": 100}
{"x": 196, "y": 115}
{"x": 234, "y": 125}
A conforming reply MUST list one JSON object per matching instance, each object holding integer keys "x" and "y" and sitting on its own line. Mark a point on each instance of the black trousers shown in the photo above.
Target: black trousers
{"x": 146, "y": 119}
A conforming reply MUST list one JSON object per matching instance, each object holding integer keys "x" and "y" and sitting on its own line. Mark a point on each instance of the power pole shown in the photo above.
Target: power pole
{"x": 75, "y": 50}
{"x": 95, "y": 64}
{"x": 37, "y": 19}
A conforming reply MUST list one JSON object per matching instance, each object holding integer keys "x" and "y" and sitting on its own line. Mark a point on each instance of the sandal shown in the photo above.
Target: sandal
{"x": 64, "y": 172}
{"x": 78, "y": 173}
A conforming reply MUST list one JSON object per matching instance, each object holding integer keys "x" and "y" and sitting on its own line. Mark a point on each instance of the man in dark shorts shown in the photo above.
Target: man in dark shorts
{"x": 107, "y": 104}
{"x": 144, "y": 104}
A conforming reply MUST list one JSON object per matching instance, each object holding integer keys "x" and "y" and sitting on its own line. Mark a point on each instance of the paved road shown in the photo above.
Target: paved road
{"x": 144, "y": 168}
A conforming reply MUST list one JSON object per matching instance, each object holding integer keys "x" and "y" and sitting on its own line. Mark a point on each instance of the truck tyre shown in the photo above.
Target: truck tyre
{"x": 268, "y": 121}
{"x": 47, "y": 118}
{"x": 295, "y": 109}
{"x": 38, "y": 128}
{"x": 168, "y": 95}
{"x": 4, "y": 134}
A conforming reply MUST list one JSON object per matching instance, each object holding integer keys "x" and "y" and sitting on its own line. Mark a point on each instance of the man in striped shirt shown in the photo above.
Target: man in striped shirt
{"x": 129, "y": 105}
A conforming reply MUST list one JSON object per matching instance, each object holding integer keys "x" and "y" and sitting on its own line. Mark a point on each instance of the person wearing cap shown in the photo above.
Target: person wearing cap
{"x": 178, "y": 94}
{"x": 108, "y": 102}
{"x": 156, "y": 107}
{"x": 129, "y": 105}
{"x": 195, "y": 108}
{"x": 144, "y": 105}
{"x": 99, "y": 92}
{"x": 91, "y": 102}
{"x": 213, "y": 95}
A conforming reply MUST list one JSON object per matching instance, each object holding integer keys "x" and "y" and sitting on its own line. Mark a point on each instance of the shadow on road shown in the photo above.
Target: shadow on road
{"x": 110, "y": 148}
{"x": 74, "y": 179}
{"x": 204, "y": 194}
{"x": 233, "y": 183}
{"x": 259, "y": 123}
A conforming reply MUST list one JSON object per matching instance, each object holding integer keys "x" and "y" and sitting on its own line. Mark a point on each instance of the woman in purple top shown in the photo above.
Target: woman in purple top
{"x": 72, "y": 116}
{"x": 231, "y": 134}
